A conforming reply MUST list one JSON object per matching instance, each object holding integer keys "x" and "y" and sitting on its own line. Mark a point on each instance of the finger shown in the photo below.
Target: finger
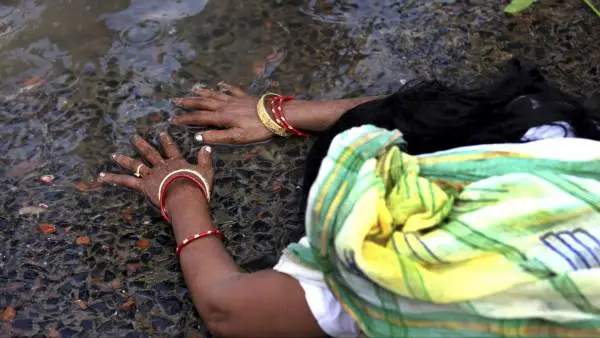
{"x": 228, "y": 136}
{"x": 146, "y": 150}
{"x": 124, "y": 180}
{"x": 131, "y": 164}
{"x": 202, "y": 118}
{"x": 200, "y": 103}
{"x": 205, "y": 157}
{"x": 171, "y": 149}
{"x": 209, "y": 93}
{"x": 235, "y": 91}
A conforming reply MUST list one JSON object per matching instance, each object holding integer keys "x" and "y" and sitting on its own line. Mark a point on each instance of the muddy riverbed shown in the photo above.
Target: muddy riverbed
{"x": 78, "y": 78}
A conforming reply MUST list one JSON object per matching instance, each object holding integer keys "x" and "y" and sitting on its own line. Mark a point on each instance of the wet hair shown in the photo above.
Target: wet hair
{"x": 433, "y": 117}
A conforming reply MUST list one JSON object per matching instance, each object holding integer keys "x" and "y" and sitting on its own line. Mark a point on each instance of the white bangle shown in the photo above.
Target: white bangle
{"x": 189, "y": 171}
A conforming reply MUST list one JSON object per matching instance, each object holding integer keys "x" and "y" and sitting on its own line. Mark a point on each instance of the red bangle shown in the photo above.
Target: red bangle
{"x": 277, "y": 111}
{"x": 167, "y": 184}
{"x": 194, "y": 237}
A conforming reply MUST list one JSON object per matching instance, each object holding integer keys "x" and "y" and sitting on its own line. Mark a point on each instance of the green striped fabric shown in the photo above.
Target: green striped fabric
{"x": 470, "y": 242}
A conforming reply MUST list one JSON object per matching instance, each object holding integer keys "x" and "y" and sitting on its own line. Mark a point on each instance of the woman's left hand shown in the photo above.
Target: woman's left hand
{"x": 147, "y": 178}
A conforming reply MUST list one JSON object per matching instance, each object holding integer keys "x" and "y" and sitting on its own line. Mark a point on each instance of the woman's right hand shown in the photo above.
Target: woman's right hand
{"x": 230, "y": 109}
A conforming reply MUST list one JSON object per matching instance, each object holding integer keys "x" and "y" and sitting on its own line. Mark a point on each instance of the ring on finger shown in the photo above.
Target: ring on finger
{"x": 137, "y": 171}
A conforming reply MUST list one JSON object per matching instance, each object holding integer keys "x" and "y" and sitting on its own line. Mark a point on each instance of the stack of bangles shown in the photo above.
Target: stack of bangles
{"x": 199, "y": 180}
{"x": 270, "y": 112}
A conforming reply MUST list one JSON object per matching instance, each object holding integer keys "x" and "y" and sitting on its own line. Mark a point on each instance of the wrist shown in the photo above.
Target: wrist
{"x": 184, "y": 194}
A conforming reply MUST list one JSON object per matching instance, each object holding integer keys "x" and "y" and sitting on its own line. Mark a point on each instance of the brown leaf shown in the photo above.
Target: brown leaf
{"x": 47, "y": 228}
{"x": 134, "y": 267}
{"x": 8, "y": 314}
{"x": 128, "y": 305}
{"x": 155, "y": 118}
{"x": 83, "y": 240}
{"x": 116, "y": 284}
{"x": 88, "y": 186}
{"x": 53, "y": 333}
{"x": 127, "y": 216}
{"x": 37, "y": 284}
{"x": 82, "y": 304}
{"x": 259, "y": 68}
{"x": 36, "y": 80}
{"x": 31, "y": 83}
{"x": 142, "y": 243}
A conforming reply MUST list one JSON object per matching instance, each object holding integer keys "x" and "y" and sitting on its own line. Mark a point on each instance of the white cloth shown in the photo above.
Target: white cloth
{"x": 329, "y": 313}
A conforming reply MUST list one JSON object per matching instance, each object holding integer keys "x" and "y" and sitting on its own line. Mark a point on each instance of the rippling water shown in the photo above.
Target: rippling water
{"x": 79, "y": 77}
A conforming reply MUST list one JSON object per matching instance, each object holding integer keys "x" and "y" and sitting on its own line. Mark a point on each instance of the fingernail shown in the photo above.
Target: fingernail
{"x": 163, "y": 134}
{"x": 208, "y": 149}
{"x": 114, "y": 157}
{"x": 101, "y": 176}
{"x": 197, "y": 89}
{"x": 176, "y": 102}
{"x": 198, "y": 137}
{"x": 173, "y": 120}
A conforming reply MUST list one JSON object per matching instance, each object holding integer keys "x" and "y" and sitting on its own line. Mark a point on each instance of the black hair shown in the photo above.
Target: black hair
{"x": 433, "y": 117}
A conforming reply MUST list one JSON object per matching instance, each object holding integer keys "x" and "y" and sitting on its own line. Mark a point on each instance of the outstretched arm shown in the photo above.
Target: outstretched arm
{"x": 234, "y": 111}
{"x": 231, "y": 303}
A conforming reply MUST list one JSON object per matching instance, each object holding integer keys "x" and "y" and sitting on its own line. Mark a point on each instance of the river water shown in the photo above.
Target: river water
{"x": 79, "y": 77}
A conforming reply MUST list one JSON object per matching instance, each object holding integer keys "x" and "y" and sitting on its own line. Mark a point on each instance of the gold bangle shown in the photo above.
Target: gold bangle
{"x": 267, "y": 120}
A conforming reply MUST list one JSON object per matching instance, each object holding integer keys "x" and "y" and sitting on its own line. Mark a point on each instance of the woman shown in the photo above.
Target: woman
{"x": 343, "y": 277}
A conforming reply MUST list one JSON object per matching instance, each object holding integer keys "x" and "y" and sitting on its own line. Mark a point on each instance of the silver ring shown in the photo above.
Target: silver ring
{"x": 137, "y": 171}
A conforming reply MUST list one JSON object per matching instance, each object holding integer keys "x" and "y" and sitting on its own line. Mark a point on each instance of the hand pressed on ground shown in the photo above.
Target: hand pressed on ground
{"x": 230, "y": 109}
{"x": 234, "y": 112}
{"x": 152, "y": 174}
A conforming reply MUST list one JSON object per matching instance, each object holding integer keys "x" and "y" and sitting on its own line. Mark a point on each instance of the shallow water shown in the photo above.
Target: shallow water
{"x": 80, "y": 77}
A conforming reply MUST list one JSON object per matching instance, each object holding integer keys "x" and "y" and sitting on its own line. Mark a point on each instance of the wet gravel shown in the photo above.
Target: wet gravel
{"x": 76, "y": 90}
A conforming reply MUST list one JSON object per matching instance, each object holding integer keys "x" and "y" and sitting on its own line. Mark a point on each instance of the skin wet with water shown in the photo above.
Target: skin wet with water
{"x": 81, "y": 260}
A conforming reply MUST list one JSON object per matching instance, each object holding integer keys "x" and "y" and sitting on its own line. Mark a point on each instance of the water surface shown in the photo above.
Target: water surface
{"x": 78, "y": 78}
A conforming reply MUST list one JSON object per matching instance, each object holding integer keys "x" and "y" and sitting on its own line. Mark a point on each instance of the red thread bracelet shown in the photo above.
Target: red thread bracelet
{"x": 167, "y": 184}
{"x": 194, "y": 237}
{"x": 277, "y": 111}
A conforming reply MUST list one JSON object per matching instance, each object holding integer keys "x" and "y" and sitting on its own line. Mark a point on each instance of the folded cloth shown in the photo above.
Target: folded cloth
{"x": 467, "y": 242}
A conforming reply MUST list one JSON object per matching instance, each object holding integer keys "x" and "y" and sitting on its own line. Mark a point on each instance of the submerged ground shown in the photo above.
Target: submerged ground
{"x": 78, "y": 78}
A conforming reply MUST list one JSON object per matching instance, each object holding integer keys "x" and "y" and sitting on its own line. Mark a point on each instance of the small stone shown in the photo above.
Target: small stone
{"x": 31, "y": 210}
{"x": 48, "y": 179}
{"x": 83, "y": 240}
{"x": 8, "y": 314}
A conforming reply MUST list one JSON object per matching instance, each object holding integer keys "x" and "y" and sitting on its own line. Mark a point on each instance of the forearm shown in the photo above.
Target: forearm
{"x": 320, "y": 115}
{"x": 232, "y": 303}
{"x": 204, "y": 262}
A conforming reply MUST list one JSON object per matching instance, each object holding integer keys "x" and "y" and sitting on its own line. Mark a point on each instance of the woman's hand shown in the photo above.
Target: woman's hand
{"x": 231, "y": 109}
{"x": 150, "y": 177}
